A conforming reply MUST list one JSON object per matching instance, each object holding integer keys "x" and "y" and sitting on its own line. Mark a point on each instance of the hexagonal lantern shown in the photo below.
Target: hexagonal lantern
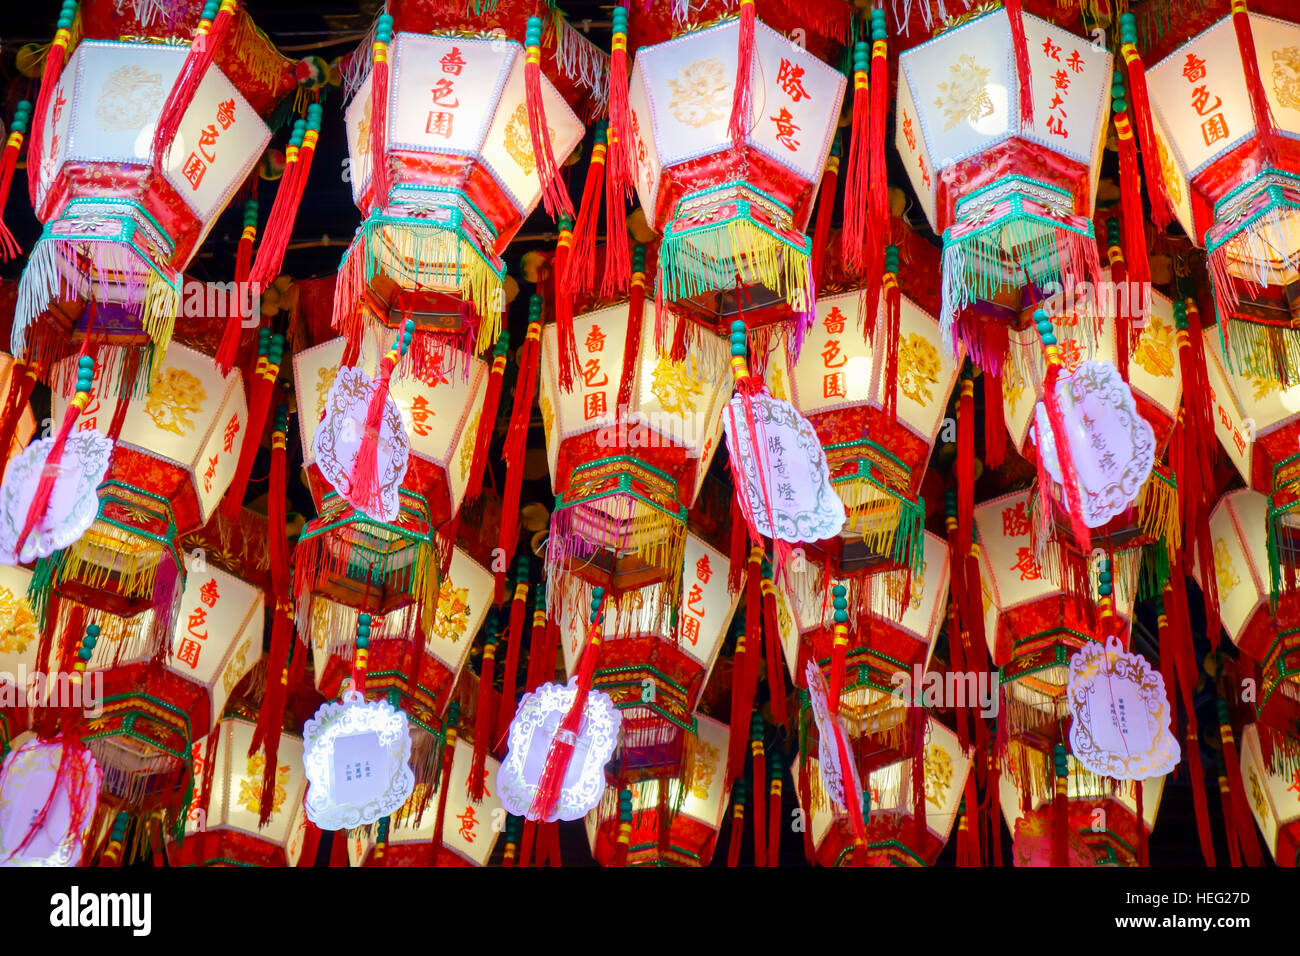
{"x": 1012, "y": 198}
{"x": 698, "y": 802}
{"x": 19, "y": 643}
{"x": 1269, "y": 795}
{"x": 226, "y": 833}
{"x": 469, "y": 830}
{"x": 893, "y": 838}
{"x": 654, "y": 660}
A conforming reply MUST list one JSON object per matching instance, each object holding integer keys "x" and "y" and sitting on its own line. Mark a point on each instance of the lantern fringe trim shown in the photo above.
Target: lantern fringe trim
{"x": 888, "y": 524}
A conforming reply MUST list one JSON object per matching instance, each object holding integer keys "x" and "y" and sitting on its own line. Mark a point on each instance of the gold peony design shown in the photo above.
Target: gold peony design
{"x": 17, "y": 623}
{"x": 519, "y": 140}
{"x": 470, "y": 440}
{"x": 938, "y": 774}
{"x": 1013, "y": 383}
{"x": 918, "y": 368}
{"x": 1173, "y": 185}
{"x": 324, "y": 382}
{"x": 777, "y": 384}
{"x": 235, "y": 669}
{"x": 174, "y": 396}
{"x": 894, "y": 586}
{"x": 1224, "y": 571}
{"x": 675, "y": 388}
{"x": 548, "y": 412}
{"x": 1155, "y": 349}
{"x": 1257, "y": 796}
{"x": 453, "y": 612}
{"x": 363, "y": 130}
{"x": 129, "y": 98}
{"x": 1286, "y": 77}
{"x": 701, "y": 93}
{"x": 250, "y": 789}
{"x": 965, "y": 96}
{"x": 703, "y": 769}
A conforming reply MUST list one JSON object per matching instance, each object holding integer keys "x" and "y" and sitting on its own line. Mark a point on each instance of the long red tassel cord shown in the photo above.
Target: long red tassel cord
{"x": 1020, "y": 48}
{"x": 517, "y": 439}
{"x": 279, "y": 225}
{"x": 228, "y": 348}
{"x": 1162, "y": 211}
{"x": 483, "y": 716}
{"x": 775, "y": 662}
{"x": 620, "y": 163}
{"x": 515, "y": 637}
{"x": 8, "y": 163}
{"x": 737, "y": 821}
{"x": 488, "y": 416}
{"x": 261, "y": 388}
{"x": 55, "y": 58}
{"x": 877, "y": 181}
{"x": 758, "y": 769}
{"x": 742, "y": 98}
{"x": 555, "y": 197}
{"x": 210, "y": 34}
{"x": 444, "y": 779}
{"x": 825, "y": 212}
{"x": 364, "y": 480}
{"x": 853, "y": 234}
{"x": 380, "y": 172}
{"x": 579, "y": 275}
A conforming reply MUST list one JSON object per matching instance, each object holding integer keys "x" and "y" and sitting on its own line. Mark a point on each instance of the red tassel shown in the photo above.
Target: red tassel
{"x": 8, "y": 163}
{"x": 775, "y": 661}
{"x": 568, "y": 346}
{"x": 339, "y": 848}
{"x": 488, "y": 417}
{"x": 22, "y": 379}
{"x": 759, "y": 774}
{"x": 1265, "y": 127}
{"x": 379, "y": 168}
{"x": 526, "y": 842}
{"x": 1070, "y": 482}
{"x": 1133, "y": 219}
{"x": 555, "y": 197}
{"x": 620, "y": 165}
{"x": 632, "y": 341}
{"x": 55, "y": 58}
{"x": 966, "y": 472}
{"x": 737, "y": 821}
{"x": 995, "y": 428}
{"x": 562, "y": 744}
{"x": 878, "y": 190}
{"x": 261, "y": 389}
{"x": 917, "y": 716}
{"x": 1141, "y": 826}
{"x": 893, "y": 324}
{"x": 853, "y": 235}
{"x": 310, "y": 844}
{"x": 805, "y": 794}
{"x": 444, "y": 787}
{"x": 515, "y": 636}
{"x": 1119, "y": 279}
{"x": 975, "y": 854}
{"x": 483, "y": 719}
{"x": 1060, "y": 821}
{"x": 1162, "y": 210}
{"x": 279, "y": 224}
{"x": 742, "y": 101}
{"x": 825, "y": 210}
{"x": 774, "y": 813}
{"x": 541, "y": 649}
{"x": 1020, "y": 47}
{"x": 228, "y": 348}
{"x": 741, "y": 704}
{"x": 516, "y": 442}
{"x": 579, "y": 275}
{"x": 207, "y": 38}
{"x": 1237, "y": 794}
{"x": 364, "y": 480}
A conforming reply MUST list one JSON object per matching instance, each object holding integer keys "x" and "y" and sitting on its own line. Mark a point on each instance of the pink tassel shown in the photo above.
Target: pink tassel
{"x": 853, "y": 236}
{"x": 555, "y": 197}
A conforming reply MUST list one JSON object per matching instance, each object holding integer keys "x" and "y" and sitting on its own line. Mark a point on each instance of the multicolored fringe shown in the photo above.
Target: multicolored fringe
{"x": 890, "y": 525}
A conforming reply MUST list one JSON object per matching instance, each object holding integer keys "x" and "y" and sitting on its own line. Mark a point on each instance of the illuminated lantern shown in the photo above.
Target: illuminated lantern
{"x": 1270, "y": 794}
{"x": 222, "y": 826}
{"x": 652, "y": 672}
{"x": 469, "y": 830}
{"x": 1223, "y": 107}
{"x": 25, "y": 425}
{"x": 679, "y": 830}
{"x": 123, "y": 218}
{"x": 461, "y": 605}
{"x": 440, "y": 411}
{"x": 458, "y": 175}
{"x": 731, "y": 192}
{"x": 1011, "y": 189}
{"x": 893, "y": 835}
{"x": 19, "y": 643}
{"x": 154, "y": 712}
{"x": 39, "y": 781}
{"x": 1108, "y": 823}
{"x": 625, "y": 475}
{"x": 1266, "y": 633}
{"x": 1032, "y": 623}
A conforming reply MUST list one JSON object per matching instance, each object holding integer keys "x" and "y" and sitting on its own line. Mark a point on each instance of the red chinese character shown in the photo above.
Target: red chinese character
{"x": 830, "y": 352}
{"x": 789, "y": 77}
{"x": 834, "y": 321}
{"x": 1194, "y": 68}
{"x": 232, "y": 429}
{"x": 1015, "y": 522}
{"x": 703, "y": 569}
{"x": 208, "y": 137}
{"x": 434, "y": 375}
{"x": 483, "y": 781}
{"x": 589, "y": 372}
{"x": 189, "y": 652}
{"x": 833, "y": 386}
{"x": 925, "y": 173}
{"x": 453, "y": 62}
{"x": 691, "y": 629}
{"x": 86, "y": 424}
{"x": 208, "y": 593}
{"x": 696, "y": 596}
{"x": 1026, "y": 565}
{"x": 1054, "y": 125}
{"x": 194, "y": 169}
{"x": 439, "y": 124}
{"x": 595, "y": 340}
{"x": 593, "y": 405}
{"x": 1214, "y": 129}
{"x": 198, "y": 617}
{"x": 210, "y": 474}
{"x": 785, "y": 129}
{"x": 908, "y": 133}
{"x": 1061, "y": 79}
{"x": 1051, "y": 50}
{"x": 442, "y": 89}
{"x": 1075, "y": 62}
{"x": 420, "y": 415}
{"x": 1200, "y": 100}
{"x": 59, "y": 103}
{"x": 226, "y": 114}
{"x": 468, "y": 821}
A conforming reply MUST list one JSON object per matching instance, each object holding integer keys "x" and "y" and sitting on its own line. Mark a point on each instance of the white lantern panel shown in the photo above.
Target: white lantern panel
{"x": 1070, "y": 83}
{"x": 217, "y": 611}
{"x": 645, "y": 149}
{"x": 914, "y": 150}
{"x": 356, "y": 122}
{"x": 444, "y": 91}
{"x": 1239, "y": 538}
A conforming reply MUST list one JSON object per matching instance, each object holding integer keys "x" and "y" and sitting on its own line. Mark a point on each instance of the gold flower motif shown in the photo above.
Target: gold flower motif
{"x": 1224, "y": 571}
{"x": 918, "y": 368}
{"x": 705, "y": 766}
{"x": 129, "y": 98}
{"x": 519, "y": 140}
{"x": 452, "y": 616}
{"x": 701, "y": 94}
{"x": 466, "y": 458}
{"x": 1013, "y": 383}
{"x": 1170, "y": 173}
{"x": 548, "y": 412}
{"x": 938, "y": 774}
{"x": 1155, "y": 351}
{"x": 965, "y": 96}
{"x": 250, "y": 789}
{"x": 324, "y": 382}
{"x": 17, "y": 623}
{"x": 1286, "y": 77}
{"x": 777, "y": 385}
{"x": 235, "y": 669}
{"x": 174, "y": 396}
{"x": 1257, "y": 795}
{"x": 675, "y": 388}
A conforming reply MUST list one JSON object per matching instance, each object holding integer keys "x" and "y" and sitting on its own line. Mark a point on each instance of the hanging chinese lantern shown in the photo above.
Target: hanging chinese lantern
{"x": 654, "y": 661}
{"x": 469, "y": 830}
{"x": 455, "y": 126}
{"x": 628, "y": 448}
{"x": 633, "y": 826}
{"x": 1222, "y": 138}
{"x": 222, "y": 827}
{"x": 1266, "y": 632}
{"x": 730, "y": 125}
{"x": 1106, "y": 822}
{"x": 895, "y": 836}
{"x": 19, "y": 643}
{"x": 999, "y": 123}
{"x": 137, "y": 146}
{"x": 1269, "y": 789}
